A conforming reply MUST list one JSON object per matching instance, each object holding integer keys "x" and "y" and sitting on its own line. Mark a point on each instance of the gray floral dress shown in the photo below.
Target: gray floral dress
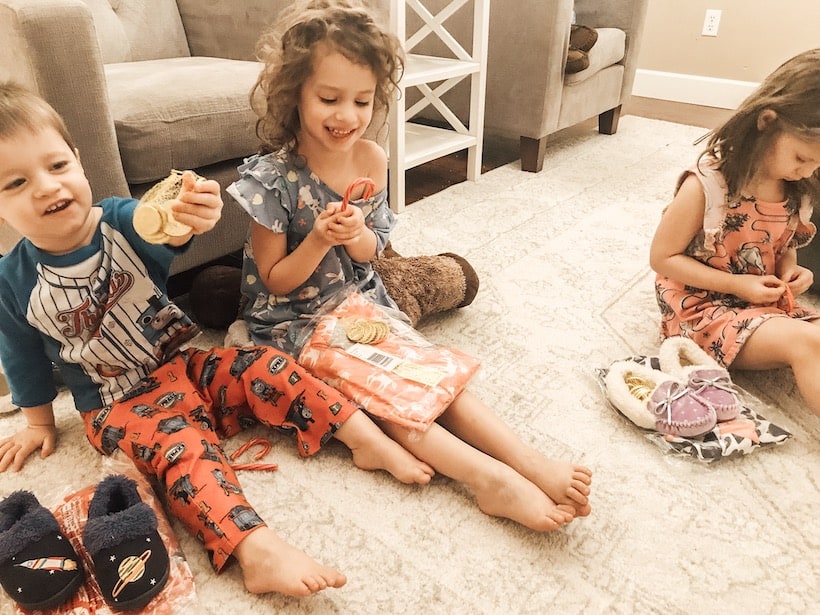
{"x": 286, "y": 197}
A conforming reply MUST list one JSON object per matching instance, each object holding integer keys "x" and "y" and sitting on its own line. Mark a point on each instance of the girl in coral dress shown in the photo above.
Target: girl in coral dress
{"x": 725, "y": 250}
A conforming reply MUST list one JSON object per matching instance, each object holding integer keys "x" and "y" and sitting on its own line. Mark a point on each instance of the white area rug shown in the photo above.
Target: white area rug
{"x": 565, "y": 288}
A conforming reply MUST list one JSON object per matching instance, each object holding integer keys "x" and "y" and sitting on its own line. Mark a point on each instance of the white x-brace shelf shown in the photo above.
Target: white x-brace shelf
{"x": 412, "y": 144}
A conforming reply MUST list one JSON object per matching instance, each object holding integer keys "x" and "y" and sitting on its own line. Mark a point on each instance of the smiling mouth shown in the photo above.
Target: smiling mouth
{"x": 340, "y": 133}
{"x": 58, "y": 207}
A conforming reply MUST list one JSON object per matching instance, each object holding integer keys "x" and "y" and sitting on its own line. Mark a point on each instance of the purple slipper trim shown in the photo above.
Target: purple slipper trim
{"x": 714, "y": 386}
{"x": 679, "y": 412}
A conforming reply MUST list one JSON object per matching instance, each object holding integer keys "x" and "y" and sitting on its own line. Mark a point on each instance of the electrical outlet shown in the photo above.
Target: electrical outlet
{"x": 711, "y": 22}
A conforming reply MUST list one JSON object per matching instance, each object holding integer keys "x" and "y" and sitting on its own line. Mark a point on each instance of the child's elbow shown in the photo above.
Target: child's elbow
{"x": 654, "y": 261}
{"x": 657, "y": 260}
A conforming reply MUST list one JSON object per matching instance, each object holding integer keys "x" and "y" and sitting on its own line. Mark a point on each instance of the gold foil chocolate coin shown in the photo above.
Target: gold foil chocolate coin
{"x": 153, "y": 219}
{"x": 363, "y": 331}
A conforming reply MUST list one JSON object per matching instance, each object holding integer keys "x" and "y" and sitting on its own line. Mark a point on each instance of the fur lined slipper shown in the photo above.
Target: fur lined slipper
{"x": 629, "y": 386}
{"x": 678, "y": 355}
{"x": 131, "y": 563}
{"x": 39, "y": 568}
{"x": 705, "y": 377}
{"x": 652, "y": 399}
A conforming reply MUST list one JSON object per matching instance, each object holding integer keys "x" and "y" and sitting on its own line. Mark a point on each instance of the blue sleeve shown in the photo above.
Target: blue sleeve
{"x": 262, "y": 191}
{"x": 119, "y": 213}
{"x": 27, "y": 367}
{"x": 381, "y": 219}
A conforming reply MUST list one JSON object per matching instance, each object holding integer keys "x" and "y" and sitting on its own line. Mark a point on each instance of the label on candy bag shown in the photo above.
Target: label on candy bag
{"x": 411, "y": 371}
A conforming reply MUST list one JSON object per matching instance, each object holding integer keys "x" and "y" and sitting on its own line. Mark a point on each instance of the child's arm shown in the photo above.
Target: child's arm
{"x": 798, "y": 278}
{"x": 281, "y": 272}
{"x": 198, "y": 205}
{"x": 349, "y": 228}
{"x": 679, "y": 224}
{"x": 40, "y": 432}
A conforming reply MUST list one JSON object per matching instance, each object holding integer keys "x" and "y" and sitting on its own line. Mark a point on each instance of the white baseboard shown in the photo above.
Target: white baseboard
{"x": 692, "y": 89}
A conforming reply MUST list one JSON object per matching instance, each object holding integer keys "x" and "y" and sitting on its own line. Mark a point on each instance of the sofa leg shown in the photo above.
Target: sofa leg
{"x": 608, "y": 121}
{"x": 532, "y": 153}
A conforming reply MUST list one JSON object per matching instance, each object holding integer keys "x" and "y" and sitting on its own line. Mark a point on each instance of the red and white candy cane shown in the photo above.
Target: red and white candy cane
{"x": 266, "y": 446}
{"x": 369, "y": 187}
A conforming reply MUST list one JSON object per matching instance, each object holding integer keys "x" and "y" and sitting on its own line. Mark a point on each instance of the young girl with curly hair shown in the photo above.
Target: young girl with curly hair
{"x": 329, "y": 69}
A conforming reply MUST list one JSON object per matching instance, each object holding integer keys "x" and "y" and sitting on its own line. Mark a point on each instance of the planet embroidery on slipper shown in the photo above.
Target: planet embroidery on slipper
{"x": 130, "y": 571}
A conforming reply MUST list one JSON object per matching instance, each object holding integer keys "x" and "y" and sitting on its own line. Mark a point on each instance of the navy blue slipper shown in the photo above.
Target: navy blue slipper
{"x": 39, "y": 568}
{"x": 131, "y": 562}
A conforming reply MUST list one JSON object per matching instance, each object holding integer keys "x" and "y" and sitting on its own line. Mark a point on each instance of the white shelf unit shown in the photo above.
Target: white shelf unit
{"x": 412, "y": 144}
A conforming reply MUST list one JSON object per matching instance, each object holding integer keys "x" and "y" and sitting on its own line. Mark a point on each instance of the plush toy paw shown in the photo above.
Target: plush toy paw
{"x": 425, "y": 285}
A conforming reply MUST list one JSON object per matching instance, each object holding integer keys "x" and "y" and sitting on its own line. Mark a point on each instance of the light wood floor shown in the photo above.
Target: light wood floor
{"x": 438, "y": 174}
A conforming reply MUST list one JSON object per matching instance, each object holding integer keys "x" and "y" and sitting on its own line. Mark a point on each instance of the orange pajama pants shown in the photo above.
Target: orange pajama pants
{"x": 171, "y": 423}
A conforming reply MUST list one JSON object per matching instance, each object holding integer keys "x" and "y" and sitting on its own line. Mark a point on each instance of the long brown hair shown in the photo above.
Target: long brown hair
{"x": 287, "y": 52}
{"x": 792, "y": 91}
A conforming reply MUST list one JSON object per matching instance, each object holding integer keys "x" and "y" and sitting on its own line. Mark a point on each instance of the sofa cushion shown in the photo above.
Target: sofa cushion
{"x": 608, "y": 49}
{"x": 138, "y": 30}
{"x": 181, "y": 113}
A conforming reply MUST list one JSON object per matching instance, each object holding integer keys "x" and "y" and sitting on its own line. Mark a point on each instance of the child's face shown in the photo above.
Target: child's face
{"x": 44, "y": 194}
{"x": 791, "y": 158}
{"x": 336, "y": 103}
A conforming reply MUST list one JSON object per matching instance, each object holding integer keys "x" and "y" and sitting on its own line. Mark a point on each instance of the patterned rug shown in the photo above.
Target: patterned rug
{"x": 565, "y": 289}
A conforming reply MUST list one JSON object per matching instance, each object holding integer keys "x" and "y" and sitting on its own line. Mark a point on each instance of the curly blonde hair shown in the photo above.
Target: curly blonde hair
{"x": 792, "y": 91}
{"x": 287, "y": 51}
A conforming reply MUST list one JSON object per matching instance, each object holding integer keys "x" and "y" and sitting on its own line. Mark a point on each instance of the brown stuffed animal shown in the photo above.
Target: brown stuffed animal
{"x": 425, "y": 285}
{"x": 420, "y": 285}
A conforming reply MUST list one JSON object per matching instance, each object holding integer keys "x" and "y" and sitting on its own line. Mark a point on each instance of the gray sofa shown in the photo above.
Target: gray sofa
{"x": 528, "y": 96}
{"x": 145, "y": 86}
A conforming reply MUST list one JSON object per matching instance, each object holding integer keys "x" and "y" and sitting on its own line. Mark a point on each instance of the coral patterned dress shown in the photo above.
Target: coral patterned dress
{"x": 745, "y": 237}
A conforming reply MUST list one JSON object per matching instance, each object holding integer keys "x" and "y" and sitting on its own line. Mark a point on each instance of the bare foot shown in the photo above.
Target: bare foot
{"x": 269, "y": 564}
{"x": 565, "y": 483}
{"x": 374, "y": 450}
{"x": 505, "y": 493}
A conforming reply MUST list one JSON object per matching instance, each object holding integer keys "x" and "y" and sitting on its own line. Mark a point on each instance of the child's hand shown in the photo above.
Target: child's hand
{"x": 199, "y": 203}
{"x": 335, "y": 226}
{"x": 322, "y": 226}
{"x": 16, "y": 449}
{"x": 798, "y": 278}
{"x": 759, "y": 289}
{"x": 345, "y": 226}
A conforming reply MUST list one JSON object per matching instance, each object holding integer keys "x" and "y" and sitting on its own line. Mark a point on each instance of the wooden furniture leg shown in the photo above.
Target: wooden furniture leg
{"x": 608, "y": 121}
{"x": 532, "y": 153}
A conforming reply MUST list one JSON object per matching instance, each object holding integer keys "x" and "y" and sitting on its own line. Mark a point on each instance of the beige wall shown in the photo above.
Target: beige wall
{"x": 754, "y": 36}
